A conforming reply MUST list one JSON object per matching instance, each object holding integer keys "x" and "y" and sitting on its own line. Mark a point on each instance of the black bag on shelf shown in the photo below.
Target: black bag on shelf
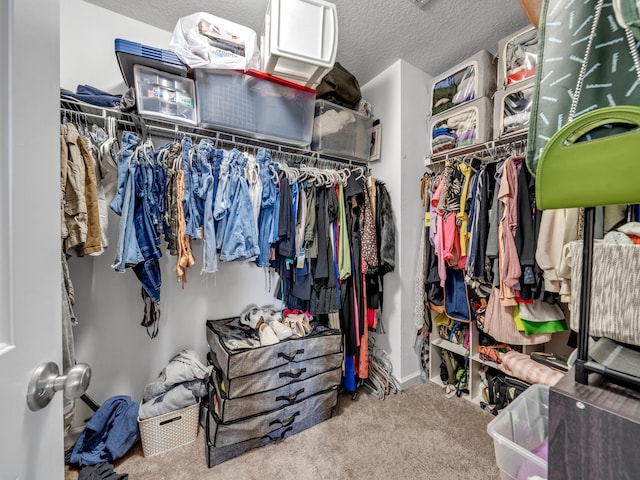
{"x": 502, "y": 390}
{"x": 339, "y": 86}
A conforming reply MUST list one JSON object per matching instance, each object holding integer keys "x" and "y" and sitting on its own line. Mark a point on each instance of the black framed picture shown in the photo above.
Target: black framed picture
{"x": 376, "y": 140}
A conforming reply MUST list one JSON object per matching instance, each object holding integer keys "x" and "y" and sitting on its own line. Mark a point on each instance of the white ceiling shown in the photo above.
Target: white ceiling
{"x": 373, "y": 34}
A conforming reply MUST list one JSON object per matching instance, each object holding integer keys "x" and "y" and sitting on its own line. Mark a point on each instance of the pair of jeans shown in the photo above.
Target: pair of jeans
{"x": 266, "y": 217}
{"x": 240, "y": 238}
{"x": 191, "y": 214}
{"x": 206, "y": 155}
{"x": 127, "y": 249}
{"x": 147, "y": 271}
{"x": 223, "y": 196}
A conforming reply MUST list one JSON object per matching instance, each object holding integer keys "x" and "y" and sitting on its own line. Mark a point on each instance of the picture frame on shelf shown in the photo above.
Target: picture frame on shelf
{"x": 376, "y": 140}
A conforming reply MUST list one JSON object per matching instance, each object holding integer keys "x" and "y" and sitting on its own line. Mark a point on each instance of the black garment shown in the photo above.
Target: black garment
{"x": 525, "y": 237}
{"x": 286, "y": 222}
{"x": 432, "y": 287}
{"x": 486, "y": 198}
{"x": 324, "y": 296}
{"x": 386, "y": 229}
{"x": 101, "y": 471}
{"x": 354, "y": 198}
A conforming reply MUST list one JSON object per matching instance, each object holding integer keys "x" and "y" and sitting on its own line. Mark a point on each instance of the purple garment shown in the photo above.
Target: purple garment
{"x": 528, "y": 469}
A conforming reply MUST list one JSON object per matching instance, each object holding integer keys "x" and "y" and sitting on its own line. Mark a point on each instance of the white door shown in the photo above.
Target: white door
{"x": 31, "y": 443}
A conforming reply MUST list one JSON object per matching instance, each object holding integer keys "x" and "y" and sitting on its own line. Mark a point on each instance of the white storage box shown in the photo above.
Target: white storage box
{"x": 512, "y": 108}
{"x": 171, "y": 430}
{"x": 462, "y": 126}
{"x": 340, "y": 131}
{"x": 255, "y": 103}
{"x": 520, "y": 432}
{"x": 467, "y": 81}
{"x": 164, "y": 95}
{"x": 299, "y": 40}
{"x": 517, "y": 56}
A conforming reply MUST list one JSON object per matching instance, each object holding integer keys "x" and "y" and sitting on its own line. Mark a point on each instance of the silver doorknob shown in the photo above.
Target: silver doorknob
{"x": 46, "y": 381}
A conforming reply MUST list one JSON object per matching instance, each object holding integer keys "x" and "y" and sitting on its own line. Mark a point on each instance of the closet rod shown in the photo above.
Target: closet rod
{"x": 170, "y": 130}
{"x": 481, "y": 150}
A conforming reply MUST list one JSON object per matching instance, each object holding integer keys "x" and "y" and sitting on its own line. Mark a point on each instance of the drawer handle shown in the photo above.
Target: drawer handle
{"x": 290, "y": 358}
{"x": 290, "y": 398}
{"x": 279, "y": 437}
{"x": 291, "y": 374}
{"x": 287, "y": 422}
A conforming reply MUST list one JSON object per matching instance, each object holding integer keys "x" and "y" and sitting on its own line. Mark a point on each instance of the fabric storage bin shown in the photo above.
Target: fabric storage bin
{"x": 512, "y": 108}
{"x": 236, "y": 363}
{"x": 170, "y": 430}
{"x": 271, "y": 423}
{"x": 164, "y": 95}
{"x": 299, "y": 40}
{"x": 520, "y": 435}
{"x": 132, "y": 53}
{"x": 341, "y": 131}
{"x": 517, "y": 56}
{"x": 255, "y": 103}
{"x": 472, "y": 79}
{"x": 277, "y": 377}
{"x": 462, "y": 126}
{"x": 227, "y": 410}
{"x": 218, "y": 455}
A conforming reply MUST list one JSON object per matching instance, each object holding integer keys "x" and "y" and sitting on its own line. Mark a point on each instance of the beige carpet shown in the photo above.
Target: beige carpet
{"x": 417, "y": 434}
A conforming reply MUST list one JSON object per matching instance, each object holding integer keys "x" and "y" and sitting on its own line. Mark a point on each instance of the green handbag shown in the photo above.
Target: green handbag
{"x": 576, "y": 170}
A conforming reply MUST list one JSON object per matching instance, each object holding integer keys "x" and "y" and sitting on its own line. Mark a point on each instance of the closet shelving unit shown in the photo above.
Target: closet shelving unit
{"x": 485, "y": 151}
{"x": 84, "y": 114}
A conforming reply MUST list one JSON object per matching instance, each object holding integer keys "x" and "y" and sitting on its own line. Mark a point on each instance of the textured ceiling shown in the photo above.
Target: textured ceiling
{"x": 373, "y": 34}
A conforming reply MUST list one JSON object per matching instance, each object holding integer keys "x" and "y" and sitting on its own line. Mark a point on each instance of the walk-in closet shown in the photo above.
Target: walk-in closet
{"x": 304, "y": 239}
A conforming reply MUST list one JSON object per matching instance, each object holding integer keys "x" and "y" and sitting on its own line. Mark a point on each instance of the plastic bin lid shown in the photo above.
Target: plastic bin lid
{"x": 132, "y": 53}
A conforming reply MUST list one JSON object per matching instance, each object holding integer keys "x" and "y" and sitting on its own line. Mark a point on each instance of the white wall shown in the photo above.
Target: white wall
{"x": 87, "y": 51}
{"x": 108, "y": 304}
{"x": 399, "y": 97}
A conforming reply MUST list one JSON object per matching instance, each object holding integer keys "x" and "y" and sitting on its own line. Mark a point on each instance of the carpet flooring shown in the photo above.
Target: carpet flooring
{"x": 416, "y": 434}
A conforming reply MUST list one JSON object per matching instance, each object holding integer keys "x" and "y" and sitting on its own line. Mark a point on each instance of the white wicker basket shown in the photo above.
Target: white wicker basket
{"x": 171, "y": 430}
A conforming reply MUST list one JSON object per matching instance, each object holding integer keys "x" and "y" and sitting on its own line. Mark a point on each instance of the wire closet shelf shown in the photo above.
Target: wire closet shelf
{"x": 85, "y": 113}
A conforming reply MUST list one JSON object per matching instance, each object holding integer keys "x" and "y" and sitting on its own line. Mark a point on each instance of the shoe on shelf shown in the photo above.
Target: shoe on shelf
{"x": 299, "y": 323}
{"x": 252, "y": 317}
{"x": 281, "y": 330}
{"x": 267, "y": 335}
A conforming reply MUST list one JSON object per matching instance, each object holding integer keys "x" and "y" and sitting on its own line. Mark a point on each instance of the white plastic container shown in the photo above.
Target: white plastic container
{"x": 469, "y": 80}
{"x": 256, "y": 104}
{"x": 164, "y": 95}
{"x": 519, "y": 430}
{"x": 512, "y": 108}
{"x": 517, "y": 57}
{"x": 299, "y": 40}
{"x": 340, "y": 131}
{"x": 461, "y": 126}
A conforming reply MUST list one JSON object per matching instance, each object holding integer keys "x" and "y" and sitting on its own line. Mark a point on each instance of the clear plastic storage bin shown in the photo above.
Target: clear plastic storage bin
{"x": 132, "y": 53}
{"x": 467, "y": 81}
{"x": 520, "y": 435}
{"x": 256, "y": 104}
{"x": 341, "y": 131}
{"x": 163, "y": 95}
{"x": 517, "y": 56}
{"x": 512, "y": 108}
{"x": 299, "y": 40}
{"x": 462, "y": 126}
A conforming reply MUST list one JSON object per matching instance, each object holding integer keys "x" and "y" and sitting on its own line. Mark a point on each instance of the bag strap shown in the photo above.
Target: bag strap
{"x": 633, "y": 49}
{"x": 585, "y": 61}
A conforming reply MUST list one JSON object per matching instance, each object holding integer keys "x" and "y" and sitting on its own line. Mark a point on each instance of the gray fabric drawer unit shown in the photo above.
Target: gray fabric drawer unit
{"x": 218, "y": 455}
{"x": 228, "y": 410}
{"x": 271, "y": 424}
{"x": 241, "y": 362}
{"x": 290, "y": 373}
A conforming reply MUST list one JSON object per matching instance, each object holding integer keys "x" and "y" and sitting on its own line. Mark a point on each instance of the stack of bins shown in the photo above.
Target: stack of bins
{"x": 516, "y": 79}
{"x": 461, "y": 105}
{"x": 261, "y": 395}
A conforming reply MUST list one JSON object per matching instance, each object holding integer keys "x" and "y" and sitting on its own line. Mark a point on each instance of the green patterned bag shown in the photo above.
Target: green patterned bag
{"x": 610, "y": 78}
